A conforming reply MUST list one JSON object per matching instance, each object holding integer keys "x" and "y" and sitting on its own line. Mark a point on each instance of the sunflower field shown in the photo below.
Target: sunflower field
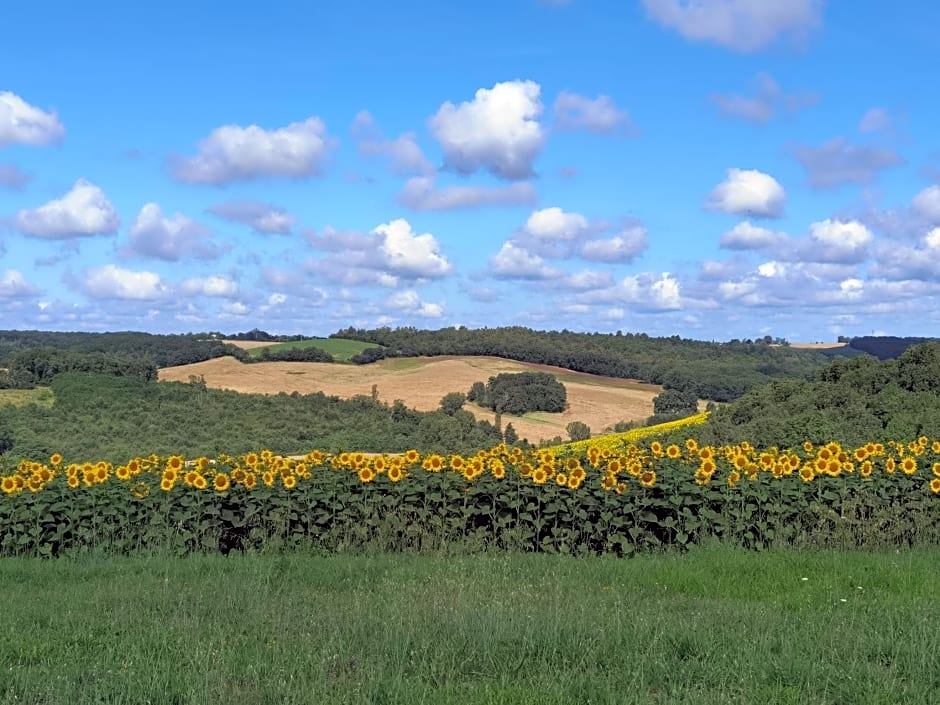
{"x": 613, "y": 494}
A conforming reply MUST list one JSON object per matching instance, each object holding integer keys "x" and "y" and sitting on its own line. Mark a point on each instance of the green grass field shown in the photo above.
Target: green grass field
{"x": 715, "y": 626}
{"x": 340, "y": 348}
{"x": 21, "y": 397}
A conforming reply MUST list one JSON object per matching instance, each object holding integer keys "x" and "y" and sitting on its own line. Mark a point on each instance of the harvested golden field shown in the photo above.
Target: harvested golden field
{"x": 248, "y": 344}
{"x": 600, "y": 402}
{"x": 816, "y": 346}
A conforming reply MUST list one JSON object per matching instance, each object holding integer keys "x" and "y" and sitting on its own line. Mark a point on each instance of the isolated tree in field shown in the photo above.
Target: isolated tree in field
{"x": 675, "y": 402}
{"x": 578, "y": 431}
{"x": 453, "y": 402}
{"x": 510, "y": 436}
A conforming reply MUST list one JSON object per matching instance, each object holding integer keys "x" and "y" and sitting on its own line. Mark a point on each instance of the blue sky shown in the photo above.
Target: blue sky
{"x": 713, "y": 169}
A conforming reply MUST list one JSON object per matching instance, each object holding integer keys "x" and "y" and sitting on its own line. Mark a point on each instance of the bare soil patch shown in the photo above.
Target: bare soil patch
{"x": 248, "y": 344}
{"x": 598, "y": 401}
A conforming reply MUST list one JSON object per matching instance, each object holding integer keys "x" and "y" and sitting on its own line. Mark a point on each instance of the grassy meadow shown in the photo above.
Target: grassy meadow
{"x": 340, "y": 348}
{"x": 713, "y": 625}
{"x": 41, "y": 396}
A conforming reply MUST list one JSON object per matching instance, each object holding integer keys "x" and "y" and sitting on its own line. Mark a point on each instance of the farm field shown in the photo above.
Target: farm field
{"x": 21, "y": 397}
{"x": 340, "y": 348}
{"x": 600, "y": 402}
{"x": 710, "y": 626}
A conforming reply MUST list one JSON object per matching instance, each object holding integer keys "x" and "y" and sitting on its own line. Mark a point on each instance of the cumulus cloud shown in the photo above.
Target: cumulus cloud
{"x": 745, "y": 236}
{"x": 599, "y": 116}
{"x": 235, "y": 308}
{"x": 82, "y": 212}
{"x": 643, "y": 292}
{"x": 622, "y": 248}
{"x": 410, "y": 302}
{"x": 927, "y": 203}
{"x": 421, "y": 193}
{"x": 498, "y": 131}
{"x": 748, "y": 192}
{"x": 12, "y": 177}
{"x": 515, "y": 262}
{"x": 390, "y": 252}
{"x": 217, "y": 285}
{"x": 22, "y": 123}
{"x": 403, "y": 153}
{"x": 154, "y": 235}
{"x": 235, "y": 153}
{"x": 553, "y": 224}
{"x": 875, "y": 120}
{"x": 112, "y": 282}
{"x": 742, "y": 25}
{"x": 13, "y": 285}
{"x": 838, "y": 162}
{"x": 263, "y": 218}
{"x": 767, "y": 101}
{"x": 835, "y": 241}
{"x": 410, "y": 255}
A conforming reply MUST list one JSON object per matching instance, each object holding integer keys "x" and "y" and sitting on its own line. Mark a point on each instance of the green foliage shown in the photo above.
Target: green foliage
{"x": 453, "y": 402}
{"x": 33, "y": 367}
{"x": 852, "y": 399}
{"x": 520, "y": 393}
{"x": 675, "y": 402}
{"x": 117, "y": 418}
{"x": 719, "y": 371}
{"x": 337, "y": 349}
{"x": 578, "y": 431}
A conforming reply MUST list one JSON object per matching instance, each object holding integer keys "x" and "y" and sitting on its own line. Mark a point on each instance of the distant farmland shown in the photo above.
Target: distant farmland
{"x": 419, "y": 383}
{"x": 340, "y": 348}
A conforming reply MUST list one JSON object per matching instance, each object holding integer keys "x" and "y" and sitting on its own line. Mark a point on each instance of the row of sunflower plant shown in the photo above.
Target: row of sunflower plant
{"x": 610, "y": 496}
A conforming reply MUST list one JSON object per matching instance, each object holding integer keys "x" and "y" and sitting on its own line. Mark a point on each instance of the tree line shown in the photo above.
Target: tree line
{"x": 709, "y": 370}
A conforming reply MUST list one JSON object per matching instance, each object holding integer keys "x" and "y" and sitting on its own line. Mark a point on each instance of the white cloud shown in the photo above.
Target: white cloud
{"x": 553, "y": 224}
{"x": 768, "y": 99}
{"x": 624, "y": 247}
{"x": 748, "y": 192}
{"x": 111, "y": 282}
{"x": 83, "y": 211}
{"x": 12, "y": 177}
{"x": 14, "y": 285}
{"x": 410, "y": 255}
{"x": 403, "y": 153}
{"x": 644, "y": 292}
{"x": 213, "y": 285}
{"x": 420, "y": 193}
{"x": 171, "y": 239}
{"x": 515, "y": 262}
{"x": 276, "y": 299}
{"x": 745, "y": 236}
{"x": 260, "y": 217}
{"x": 497, "y": 131}
{"x": 927, "y": 203}
{"x": 742, "y": 25}
{"x": 837, "y": 162}
{"x": 22, "y": 123}
{"x": 833, "y": 242}
{"x": 235, "y": 308}
{"x": 410, "y": 302}
{"x": 875, "y": 120}
{"x": 234, "y": 153}
{"x": 587, "y": 279}
{"x": 600, "y": 115}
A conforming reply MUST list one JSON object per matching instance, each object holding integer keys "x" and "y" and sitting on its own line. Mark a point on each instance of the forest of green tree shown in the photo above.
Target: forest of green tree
{"x": 717, "y": 371}
{"x": 97, "y": 416}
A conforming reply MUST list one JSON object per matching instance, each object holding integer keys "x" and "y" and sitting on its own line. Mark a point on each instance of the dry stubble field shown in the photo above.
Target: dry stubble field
{"x": 598, "y": 401}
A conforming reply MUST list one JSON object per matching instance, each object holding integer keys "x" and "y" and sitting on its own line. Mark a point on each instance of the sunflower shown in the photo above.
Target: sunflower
{"x": 200, "y": 483}
{"x": 395, "y": 473}
{"x": 806, "y": 473}
{"x": 366, "y": 474}
{"x": 734, "y": 477}
{"x": 435, "y": 463}
{"x": 72, "y": 482}
{"x": 561, "y": 479}
{"x": 497, "y": 469}
{"x": 691, "y": 445}
{"x": 9, "y": 485}
{"x": 55, "y": 460}
{"x": 134, "y": 466}
{"x": 251, "y": 481}
{"x": 936, "y": 469}
{"x": 221, "y": 482}
{"x": 648, "y": 478}
{"x": 620, "y": 488}
{"x": 890, "y": 465}
{"x": 574, "y": 482}
{"x": 935, "y": 485}
{"x": 935, "y": 446}
{"x": 142, "y": 489}
{"x": 613, "y": 466}
{"x": 379, "y": 464}
{"x": 706, "y": 453}
{"x": 290, "y": 482}
{"x": 807, "y": 447}
{"x": 412, "y": 456}
{"x": 861, "y": 454}
{"x": 101, "y": 473}
{"x": 251, "y": 460}
{"x": 609, "y": 481}
{"x": 539, "y": 476}
{"x": 673, "y": 451}
{"x": 909, "y": 466}
{"x": 175, "y": 462}
{"x": 578, "y": 474}
{"x": 708, "y": 466}
{"x": 239, "y": 475}
{"x": 166, "y": 484}
{"x": 866, "y": 469}
{"x": 656, "y": 448}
